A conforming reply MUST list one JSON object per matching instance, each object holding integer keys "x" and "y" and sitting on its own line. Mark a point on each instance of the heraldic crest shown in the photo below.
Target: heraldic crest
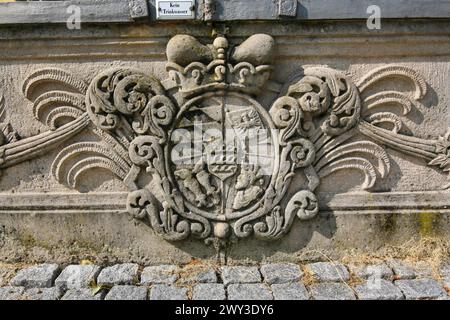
{"x": 202, "y": 157}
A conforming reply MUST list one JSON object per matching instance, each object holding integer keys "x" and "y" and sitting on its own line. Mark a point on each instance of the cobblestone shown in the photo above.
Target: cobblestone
{"x": 118, "y": 274}
{"x": 373, "y": 271}
{"x": 77, "y": 276}
{"x": 249, "y": 291}
{"x": 446, "y": 282}
{"x": 209, "y": 291}
{"x": 445, "y": 271}
{"x": 240, "y": 275}
{"x": 423, "y": 270}
{"x": 327, "y": 271}
{"x": 127, "y": 292}
{"x": 279, "y": 281}
{"x": 281, "y": 273}
{"x": 164, "y": 274}
{"x": 421, "y": 289}
{"x": 53, "y": 293}
{"x": 11, "y": 293}
{"x": 40, "y": 276}
{"x": 198, "y": 276}
{"x": 289, "y": 291}
{"x": 378, "y": 289}
{"x": 331, "y": 291}
{"x": 165, "y": 292}
{"x": 82, "y": 294}
{"x": 20, "y": 293}
{"x": 402, "y": 270}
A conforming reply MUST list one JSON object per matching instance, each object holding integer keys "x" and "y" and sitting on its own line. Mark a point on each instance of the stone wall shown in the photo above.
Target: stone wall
{"x": 362, "y": 117}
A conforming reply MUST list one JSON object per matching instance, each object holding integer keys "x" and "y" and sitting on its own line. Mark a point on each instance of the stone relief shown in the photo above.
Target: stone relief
{"x": 202, "y": 157}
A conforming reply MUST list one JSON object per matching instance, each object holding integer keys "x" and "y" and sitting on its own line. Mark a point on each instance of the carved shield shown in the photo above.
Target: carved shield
{"x": 222, "y": 155}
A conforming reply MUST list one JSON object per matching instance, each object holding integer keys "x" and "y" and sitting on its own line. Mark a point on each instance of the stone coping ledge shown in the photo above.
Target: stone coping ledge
{"x": 130, "y": 11}
{"x": 363, "y": 202}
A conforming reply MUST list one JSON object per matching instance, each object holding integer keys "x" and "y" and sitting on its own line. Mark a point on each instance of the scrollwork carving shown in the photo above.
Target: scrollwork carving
{"x": 119, "y": 92}
{"x": 189, "y": 161}
{"x": 323, "y": 90}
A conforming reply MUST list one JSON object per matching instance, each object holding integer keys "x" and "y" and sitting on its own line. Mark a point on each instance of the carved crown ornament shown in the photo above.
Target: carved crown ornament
{"x": 202, "y": 157}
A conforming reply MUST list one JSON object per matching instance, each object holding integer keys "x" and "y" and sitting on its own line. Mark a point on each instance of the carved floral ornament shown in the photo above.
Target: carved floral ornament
{"x": 202, "y": 157}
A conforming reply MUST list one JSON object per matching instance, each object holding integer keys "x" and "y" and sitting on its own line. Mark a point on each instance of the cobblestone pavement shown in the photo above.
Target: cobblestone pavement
{"x": 280, "y": 281}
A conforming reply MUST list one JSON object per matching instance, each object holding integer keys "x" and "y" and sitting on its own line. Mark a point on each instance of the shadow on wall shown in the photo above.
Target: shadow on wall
{"x": 254, "y": 249}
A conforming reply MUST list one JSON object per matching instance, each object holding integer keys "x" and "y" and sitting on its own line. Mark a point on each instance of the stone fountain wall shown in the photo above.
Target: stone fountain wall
{"x": 359, "y": 162}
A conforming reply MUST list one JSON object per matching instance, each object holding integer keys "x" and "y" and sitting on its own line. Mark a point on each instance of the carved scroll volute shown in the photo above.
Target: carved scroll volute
{"x": 130, "y": 99}
{"x": 289, "y": 118}
{"x": 324, "y": 91}
{"x": 146, "y": 152}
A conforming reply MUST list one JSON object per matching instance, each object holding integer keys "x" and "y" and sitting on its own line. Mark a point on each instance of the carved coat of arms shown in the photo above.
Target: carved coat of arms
{"x": 198, "y": 152}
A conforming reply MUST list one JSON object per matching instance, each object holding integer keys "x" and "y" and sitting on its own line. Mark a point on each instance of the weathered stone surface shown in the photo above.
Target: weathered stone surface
{"x": 327, "y": 271}
{"x": 445, "y": 270}
{"x": 21, "y": 293}
{"x": 127, "y": 292}
{"x": 53, "y": 293}
{"x": 258, "y": 49}
{"x": 375, "y": 288}
{"x": 249, "y": 291}
{"x": 126, "y": 273}
{"x": 378, "y": 289}
{"x": 176, "y": 50}
{"x": 194, "y": 275}
{"x": 164, "y": 274}
{"x": 82, "y": 294}
{"x": 373, "y": 271}
{"x": 6, "y": 275}
{"x": 11, "y": 293}
{"x": 2, "y": 276}
{"x": 209, "y": 291}
{"x": 402, "y": 270}
{"x": 77, "y": 276}
{"x": 40, "y": 276}
{"x": 420, "y": 288}
{"x": 352, "y": 230}
{"x": 290, "y": 291}
{"x": 238, "y": 274}
{"x": 446, "y": 282}
{"x": 423, "y": 270}
{"x": 331, "y": 291}
{"x": 166, "y": 292}
{"x": 281, "y": 272}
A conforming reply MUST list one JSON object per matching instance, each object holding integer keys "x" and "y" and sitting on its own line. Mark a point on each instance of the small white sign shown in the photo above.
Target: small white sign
{"x": 173, "y": 10}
